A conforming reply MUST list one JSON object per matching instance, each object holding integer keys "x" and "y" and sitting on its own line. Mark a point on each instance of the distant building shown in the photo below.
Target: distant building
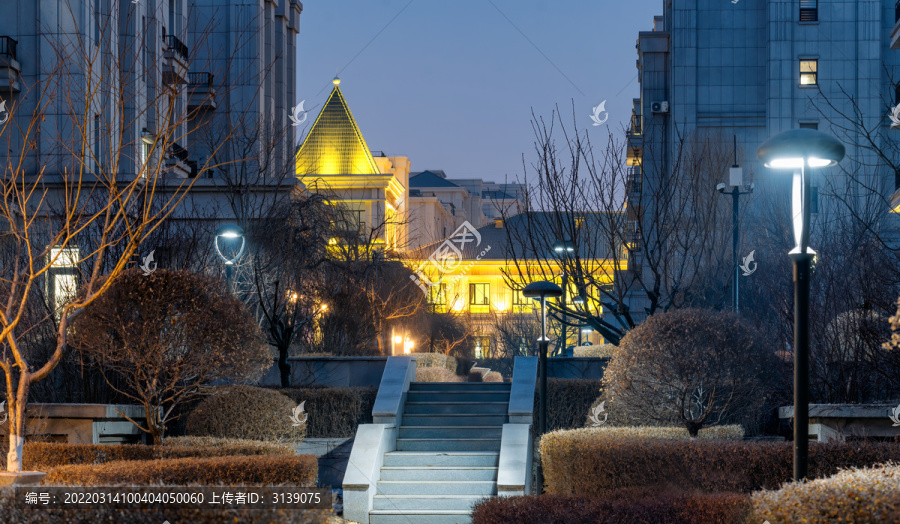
{"x": 409, "y": 209}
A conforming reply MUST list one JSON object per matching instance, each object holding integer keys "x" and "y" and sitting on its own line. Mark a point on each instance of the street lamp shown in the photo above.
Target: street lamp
{"x": 799, "y": 149}
{"x": 542, "y": 290}
{"x": 226, "y": 237}
{"x": 735, "y": 180}
{"x": 563, "y": 249}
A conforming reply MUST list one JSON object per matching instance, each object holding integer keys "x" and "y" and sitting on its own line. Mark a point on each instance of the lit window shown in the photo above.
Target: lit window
{"x": 479, "y": 298}
{"x": 809, "y": 70}
{"x": 63, "y": 276}
{"x": 521, "y": 303}
{"x": 809, "y": 10}
{"x": 482, "y": 347}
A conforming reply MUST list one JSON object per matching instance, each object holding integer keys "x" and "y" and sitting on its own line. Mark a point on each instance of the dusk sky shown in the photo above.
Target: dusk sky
{"x": 451, "y": 85}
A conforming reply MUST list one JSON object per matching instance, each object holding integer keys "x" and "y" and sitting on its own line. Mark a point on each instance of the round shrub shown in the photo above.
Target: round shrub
{"x": 493, "y": 376}
{"x": 245, "y": 412}
{"x": 695, "y": 367}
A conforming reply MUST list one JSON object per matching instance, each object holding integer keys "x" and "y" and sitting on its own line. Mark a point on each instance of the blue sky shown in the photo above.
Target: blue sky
{"x": 451, "y": 85}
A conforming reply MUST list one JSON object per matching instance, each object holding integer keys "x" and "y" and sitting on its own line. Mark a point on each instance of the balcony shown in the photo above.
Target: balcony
{"x": 176, "y": 61}
{"x": 179, "y": 164}
{"x": 201, "y": 93}
{"x": 10, "y": 69}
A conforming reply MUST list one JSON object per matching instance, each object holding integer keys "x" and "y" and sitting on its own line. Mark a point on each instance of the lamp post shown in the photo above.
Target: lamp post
{"x": 542, "y": 290}
{"x": 226, "y": 236}
{"x": 563, "y": 249}
{"x": 735, "y": 180}
{"x": 797, "y": 150}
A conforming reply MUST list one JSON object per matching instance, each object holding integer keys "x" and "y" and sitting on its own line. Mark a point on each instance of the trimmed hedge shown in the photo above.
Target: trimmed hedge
{"x": 43, "y": 455}
{"x": 584, "y": 463}
{"x": 493, "y": 376}
{"x": 245, "y": 412}
{"x": 436, "y": 374}
{"x": 860, "y": 495}
{"x": 732, "y": 432}
{"x": 435, "y": 360}
{"x": 631, "y": 506}
{"x": 13, "y": 512}
{"x": 334, "y": 412}
{"x": 595, "y": 351}
{"x": 569, "y": 401}
{"x": 296, "y": 470}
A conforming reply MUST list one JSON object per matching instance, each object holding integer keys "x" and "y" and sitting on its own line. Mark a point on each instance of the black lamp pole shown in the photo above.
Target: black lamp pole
{"x": 798, "y": 150}
{"x": 542, "y": 290}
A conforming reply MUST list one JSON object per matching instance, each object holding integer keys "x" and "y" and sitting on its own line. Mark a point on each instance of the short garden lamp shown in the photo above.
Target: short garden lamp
{"x": 542, "y": 290}
{"x": 230, "y": 244}
{"x": 798, "y": 150}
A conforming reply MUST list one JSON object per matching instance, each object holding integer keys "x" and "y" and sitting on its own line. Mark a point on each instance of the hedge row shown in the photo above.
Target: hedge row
{"x": 595, "y": 351}
{"x": 436, "y": 374}
{"x": 12, "y": 511}
{"x": 861, "y": 495}
{"x": 435, "y": 360}
{"x": 334, "y": 412}
{"x": 569, "y": 401}
{"x": 631, "y": 506}
{"x": 581, "y": 463}
{"x": 730, "y": 432}
{"x": 296, "y": 470}
{"x": 43, "y": 455}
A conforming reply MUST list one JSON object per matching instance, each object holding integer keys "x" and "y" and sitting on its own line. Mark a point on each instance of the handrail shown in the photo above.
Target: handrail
{"x": 521, "y": 391}
{"x": 178, "y": 46}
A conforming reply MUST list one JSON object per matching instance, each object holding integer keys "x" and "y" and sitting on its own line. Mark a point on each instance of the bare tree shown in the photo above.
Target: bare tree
{"x": 168, "y": 334}
{"x": 615, "y": 234}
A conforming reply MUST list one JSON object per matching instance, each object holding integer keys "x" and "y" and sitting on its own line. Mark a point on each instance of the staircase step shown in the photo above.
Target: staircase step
{"x": 442, "y": 444}
{"x": 459, "y": 386}
{"x": 420, "y": 517}
{"x": 425, "y": 408}
{"x": 440, "y": 459}
{"x": 455, "y": 419}
{"x": 422, "y": 502}
{"x": 458, "y": 396}
{"x": 439, "y": 487}
{"x": 450, "y": 432}
{"x": 466, "y": 473}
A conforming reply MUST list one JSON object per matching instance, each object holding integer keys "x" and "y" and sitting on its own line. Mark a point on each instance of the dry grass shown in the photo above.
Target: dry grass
{"x": 435, "y": 374}
{"x": 733, "y": 432}
{"x": 435, "y": 360}
{"x": 493, "y": 376}
{"x": 596, "y": 351}
{"x": 855, "y": 495}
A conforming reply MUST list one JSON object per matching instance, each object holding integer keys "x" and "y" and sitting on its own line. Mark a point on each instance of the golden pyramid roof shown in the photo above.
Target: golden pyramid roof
{"x": 334, "y": 145}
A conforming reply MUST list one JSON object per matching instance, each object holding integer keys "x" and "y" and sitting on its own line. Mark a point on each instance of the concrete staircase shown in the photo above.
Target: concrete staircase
{"x": 447, "y": 456}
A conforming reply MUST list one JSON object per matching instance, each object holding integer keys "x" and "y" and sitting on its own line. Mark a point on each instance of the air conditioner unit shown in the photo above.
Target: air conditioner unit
{"x": 659, "y": 107}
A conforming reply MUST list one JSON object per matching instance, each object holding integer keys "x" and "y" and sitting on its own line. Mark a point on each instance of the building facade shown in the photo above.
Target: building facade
{"x": 746, "y": 71}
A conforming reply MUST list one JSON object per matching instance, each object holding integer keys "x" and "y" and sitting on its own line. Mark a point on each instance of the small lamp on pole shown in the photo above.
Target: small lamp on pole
{"x": 542, "y": 290}
{"x": 227, "y": 237}
{"x": 798, "y": 150}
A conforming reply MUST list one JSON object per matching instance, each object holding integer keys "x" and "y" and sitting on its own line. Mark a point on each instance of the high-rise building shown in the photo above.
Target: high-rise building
{"x": 749, "y": 70}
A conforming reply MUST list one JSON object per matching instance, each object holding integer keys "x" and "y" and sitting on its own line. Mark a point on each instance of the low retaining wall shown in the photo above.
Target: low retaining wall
{"x": 329, "y": 372}
{"x": 84, "y": 423}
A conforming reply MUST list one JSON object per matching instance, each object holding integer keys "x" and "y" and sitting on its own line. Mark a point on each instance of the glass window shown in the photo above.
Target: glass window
{"x": 480, "y": 298}
{"x": 521, "y": 303}
{"x": 809, "y": 10}
{"x": 482, "y": 347}
{"x": 809, "y": 125}
{"x": 809, "y": 71}
{"x": 62, "y": 277}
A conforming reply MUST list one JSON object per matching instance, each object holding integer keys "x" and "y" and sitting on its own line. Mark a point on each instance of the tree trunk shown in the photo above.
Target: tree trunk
{"x": 16, "y": 429}
{"x": 693, "y": 428}
{"x": 284, "y": 367}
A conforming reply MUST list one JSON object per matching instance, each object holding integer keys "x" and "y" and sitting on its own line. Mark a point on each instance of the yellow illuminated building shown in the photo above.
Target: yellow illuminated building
{"x": 335, "y": 160}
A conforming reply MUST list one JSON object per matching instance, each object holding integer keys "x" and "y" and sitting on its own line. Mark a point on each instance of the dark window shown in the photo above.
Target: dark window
{"x": 809, "y": 72}
{"x": 809, "y": 10}
{"x": 809, "y": 125}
